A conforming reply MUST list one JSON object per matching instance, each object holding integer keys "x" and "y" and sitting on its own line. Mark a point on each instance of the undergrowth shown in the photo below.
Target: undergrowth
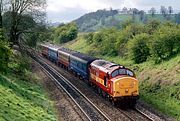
{"x": 22, "y": 97}
{"x": 159, "y": 84}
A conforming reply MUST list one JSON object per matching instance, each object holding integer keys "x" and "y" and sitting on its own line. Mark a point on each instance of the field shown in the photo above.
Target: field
{"x": 159, "y": 83}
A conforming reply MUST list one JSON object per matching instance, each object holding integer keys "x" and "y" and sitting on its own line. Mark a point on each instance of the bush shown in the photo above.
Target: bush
{"x": 5, "y": 53}
{"x": 166, "y": 42}
{"x": 152, "y": 26}
{"x": 65, "y": 33}
{"x": 98, "y": 37}
{"x": 89, "y": 38}
{"x": 138, "y": 49}
{"x": 105, "y": 41}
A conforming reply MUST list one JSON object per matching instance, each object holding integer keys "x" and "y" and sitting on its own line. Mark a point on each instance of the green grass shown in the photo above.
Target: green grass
{"x": 159, "y": 83}
{"x": 24, "y": 100}
{"x": 79, "y": 44}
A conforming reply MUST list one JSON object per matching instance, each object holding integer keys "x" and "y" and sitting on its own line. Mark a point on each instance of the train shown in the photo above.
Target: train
{"x": 112, "y": 81}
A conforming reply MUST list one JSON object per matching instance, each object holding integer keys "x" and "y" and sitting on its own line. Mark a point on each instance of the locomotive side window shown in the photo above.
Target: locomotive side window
{"x": 115, "y": 73}
{"x": 130, "y": 73}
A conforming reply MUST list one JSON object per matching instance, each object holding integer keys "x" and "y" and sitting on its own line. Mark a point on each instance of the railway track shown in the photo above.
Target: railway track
{"x": 130, "y": 117}
{"x": 144, "y": 114}
{"x": 92, "y": 112}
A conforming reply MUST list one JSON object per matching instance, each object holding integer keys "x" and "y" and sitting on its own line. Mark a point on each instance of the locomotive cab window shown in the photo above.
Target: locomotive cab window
{"x": 122, "y": 72}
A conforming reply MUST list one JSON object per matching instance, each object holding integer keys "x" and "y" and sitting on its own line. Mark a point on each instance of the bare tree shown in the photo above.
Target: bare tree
{"x": 125, "y": 10}
{"x": 142, "y": 15}
{"x": 17, "y": 8}
{"x": 1, "y": 10}
{"x": 170, "y": 10}
{"x": 152, "y": 11}
{"x": 134, "y": 13}
{"x": 177, "y": 18}
{"x": 163, "y": 11}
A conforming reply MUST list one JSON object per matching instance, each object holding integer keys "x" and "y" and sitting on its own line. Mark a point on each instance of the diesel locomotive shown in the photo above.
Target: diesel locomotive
{"x": 111, "y": 80}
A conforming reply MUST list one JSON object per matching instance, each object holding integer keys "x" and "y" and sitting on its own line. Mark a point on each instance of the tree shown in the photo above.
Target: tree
{"x": 134, "y": 12}
{"x": 1, "y": 9}
{"x": 65, "y": 33}
{"x": 163, "y": 11}
{"x": 177, "y": 18}
{"x": 152, "y": 11}
{"x": 28, "y": 27}
{"x": 141, "y": 13}
{"x": 152, "y": 26}
{"x": 170, "y": 10}
{"x": 138, "y": 48}
{"x": 165, "y": 42}
{"x": 17, "y": 9}
{"x": 124, "y": 10}
{"x": 5, "y": 52}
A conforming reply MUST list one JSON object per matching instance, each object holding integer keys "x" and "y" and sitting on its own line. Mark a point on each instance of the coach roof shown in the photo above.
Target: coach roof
{"x": 83, "y": 56}
{"x": 66, "y": 50}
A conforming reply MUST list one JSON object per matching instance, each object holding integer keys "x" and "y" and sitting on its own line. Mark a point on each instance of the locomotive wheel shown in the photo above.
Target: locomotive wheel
{"x": 104, "y": 94}
{"x": 114, "y": 103}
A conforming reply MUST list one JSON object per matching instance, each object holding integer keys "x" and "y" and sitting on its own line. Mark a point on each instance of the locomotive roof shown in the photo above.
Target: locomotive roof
{"x": 66, "y": 50}
{"x": 83, "y": 56}
{"x": 105, "y": 65}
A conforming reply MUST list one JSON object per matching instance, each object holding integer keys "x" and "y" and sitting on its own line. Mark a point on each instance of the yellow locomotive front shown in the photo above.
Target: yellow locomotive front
{"x": 124, "y": 85}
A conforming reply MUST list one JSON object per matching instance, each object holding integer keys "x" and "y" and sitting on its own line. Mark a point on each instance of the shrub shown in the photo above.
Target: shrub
{"x": 89, "y": 38}
{"x": 152, "y": 26}
{"x": 5, "y": 52}
{"x": 65, "y": 33}
{"x": 98, "y": 37}
{"x": 138, "y": 49}
{"x": 166, "y": 42}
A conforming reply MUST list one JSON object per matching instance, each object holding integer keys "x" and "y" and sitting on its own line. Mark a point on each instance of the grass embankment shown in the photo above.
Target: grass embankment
{"x": 22, "y": 97}
{"x": 159, "y": 83}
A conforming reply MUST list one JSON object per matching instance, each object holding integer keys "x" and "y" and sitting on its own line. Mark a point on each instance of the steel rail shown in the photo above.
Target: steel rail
{"x": 69, "y": 83}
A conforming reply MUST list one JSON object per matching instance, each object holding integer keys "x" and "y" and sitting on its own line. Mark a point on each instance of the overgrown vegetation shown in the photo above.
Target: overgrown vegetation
{"x": 5, "y": 52}
{"x": 22, "y": 96}
{"x": 155, "y": 40}
{"x": 65, "y": 33}
{"x": 151, "y": 50}
{"x": 138, "y": 48}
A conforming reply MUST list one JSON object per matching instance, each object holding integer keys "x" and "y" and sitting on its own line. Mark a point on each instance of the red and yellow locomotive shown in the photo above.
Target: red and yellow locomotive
{"x": 115, "y": 81}
{"x": 111, "y": 80}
